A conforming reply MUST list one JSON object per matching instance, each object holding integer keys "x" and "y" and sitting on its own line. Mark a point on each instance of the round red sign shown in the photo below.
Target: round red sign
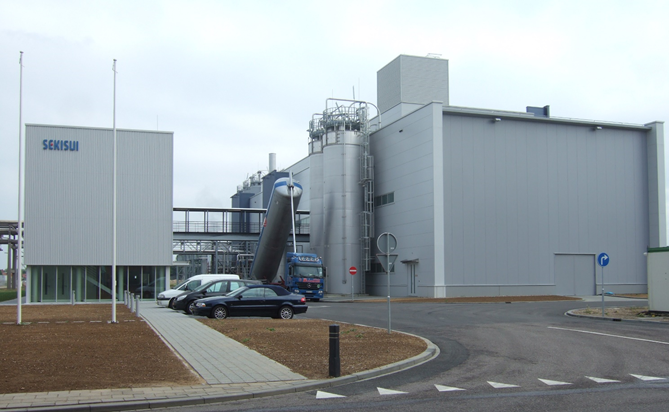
{"x": 353, "y": 270}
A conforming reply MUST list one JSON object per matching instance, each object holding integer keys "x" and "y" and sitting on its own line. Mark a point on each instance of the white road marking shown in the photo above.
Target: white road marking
{"x": 327, "y": 395}
{"x": 602, "y": 380}
{"x": 442, "y": 388}
{"x": 648, "y": 378}
{"x": 553, "y": 383}
{"x": 389, "y": 392}
{"x": 613, "y": 336}
{"x": 498, "y": 385}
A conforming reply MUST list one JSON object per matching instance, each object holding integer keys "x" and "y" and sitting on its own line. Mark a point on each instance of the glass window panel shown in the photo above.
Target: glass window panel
{"x": 135, "y": 279}
{"x": 391, "y": 197}
{"x": 36, "y": 284}
{"x": 63, "y": 290}
{"x": 105, "y": 283}
{"x": 79, "y": 283}
{"x": 270, "y": 293}
{"x": 49, "y": 284}
{"x": 92, "y": 283}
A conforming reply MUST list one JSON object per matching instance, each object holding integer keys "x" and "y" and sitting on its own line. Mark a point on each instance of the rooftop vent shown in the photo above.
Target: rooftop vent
{"x": 539, "y": 111}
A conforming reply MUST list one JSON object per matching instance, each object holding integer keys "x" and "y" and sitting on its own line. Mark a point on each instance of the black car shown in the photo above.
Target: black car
{"x": 253, "y": 300}
{"x": 186, "y": 300}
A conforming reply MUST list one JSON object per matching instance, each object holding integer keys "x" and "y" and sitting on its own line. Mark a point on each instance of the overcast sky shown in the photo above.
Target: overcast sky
{"x": 237, "y": 80}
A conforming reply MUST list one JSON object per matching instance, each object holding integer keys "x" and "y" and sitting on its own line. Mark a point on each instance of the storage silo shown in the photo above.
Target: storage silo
{"x": 338, "y": 144}
{"x": 316, "y": 187}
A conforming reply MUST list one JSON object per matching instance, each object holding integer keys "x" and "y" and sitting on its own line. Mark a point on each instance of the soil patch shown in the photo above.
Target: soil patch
{"x": 65, "y": 347}
{"x": 303, "y": 344}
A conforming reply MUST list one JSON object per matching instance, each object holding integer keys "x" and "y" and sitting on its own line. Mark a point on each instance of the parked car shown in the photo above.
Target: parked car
{"x": 186, "y": 301}
{"x": 253, "y": 300}
{"x": 166, "y": 297}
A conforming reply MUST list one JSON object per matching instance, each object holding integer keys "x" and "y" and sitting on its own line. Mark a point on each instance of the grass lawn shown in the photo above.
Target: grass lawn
{"x": 9, "y": 294}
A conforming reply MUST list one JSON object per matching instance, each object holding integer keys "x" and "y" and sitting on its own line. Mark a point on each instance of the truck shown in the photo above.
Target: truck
{"x": 304, "y": 273}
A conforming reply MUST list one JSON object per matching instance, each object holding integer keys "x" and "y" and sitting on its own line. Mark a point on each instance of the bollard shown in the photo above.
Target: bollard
{"x": 125, "y": 297}
{"x": 132, "y": 303}
{"x": 74, "y": 297}
{"x": 335, "y": 365}
{"x": 137, "y": 305}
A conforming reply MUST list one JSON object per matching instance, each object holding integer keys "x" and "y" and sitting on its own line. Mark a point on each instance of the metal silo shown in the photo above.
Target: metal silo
{"x": 338, "y": 233}
{"x": 316, "y": 189}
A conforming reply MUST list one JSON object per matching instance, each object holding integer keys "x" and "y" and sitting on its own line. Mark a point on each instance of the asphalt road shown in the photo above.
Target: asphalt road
{"x": 494, "y": 358}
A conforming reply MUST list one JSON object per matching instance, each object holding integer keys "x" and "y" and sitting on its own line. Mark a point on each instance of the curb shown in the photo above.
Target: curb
{"x": 431, "y": 352}
{"x": 594, "y": 317}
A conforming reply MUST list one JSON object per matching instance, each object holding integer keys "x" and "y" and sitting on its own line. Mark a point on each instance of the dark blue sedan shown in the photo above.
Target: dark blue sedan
{"x": 253, "y": 300}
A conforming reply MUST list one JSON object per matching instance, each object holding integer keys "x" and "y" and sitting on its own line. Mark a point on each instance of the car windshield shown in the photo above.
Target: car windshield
{"x": 237, "y": 291}
{"x": 308, "y": 271}
{"x": 203, "y": 287}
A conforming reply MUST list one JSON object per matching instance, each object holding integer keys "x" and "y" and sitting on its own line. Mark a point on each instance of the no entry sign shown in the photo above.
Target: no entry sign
{"x": 353, "y": 270}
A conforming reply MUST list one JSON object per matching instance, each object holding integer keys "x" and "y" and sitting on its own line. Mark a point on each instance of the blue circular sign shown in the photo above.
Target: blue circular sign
{"x": 603, "y": 259}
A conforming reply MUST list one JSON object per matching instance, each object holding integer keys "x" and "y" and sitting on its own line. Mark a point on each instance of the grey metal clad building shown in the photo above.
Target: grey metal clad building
{"x": 489, "y": 202}
{"x": 68, "y": 218}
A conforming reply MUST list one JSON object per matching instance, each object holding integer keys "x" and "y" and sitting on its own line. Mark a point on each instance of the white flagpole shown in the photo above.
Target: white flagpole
{"x": 19, "y": 225}
{"x": 114, "y": 211}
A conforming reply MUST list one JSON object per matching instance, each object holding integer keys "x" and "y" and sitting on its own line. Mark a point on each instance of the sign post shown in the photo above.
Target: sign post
{"x": 387, "y": 242}
{"x": 352, "y": 270}
{"x": 603, "y": 260}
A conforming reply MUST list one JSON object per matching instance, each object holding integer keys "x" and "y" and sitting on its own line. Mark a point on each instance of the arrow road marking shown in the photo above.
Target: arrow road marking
{"x": 554, "y": 383}
{"x": 389, "y": 392}
{"x": 648, "y": 378}
{"x": 442, "y": 388}
{"x": 602, "y": 380}
{"x": 498, "y": 385}
{"x": 327, "y": 395}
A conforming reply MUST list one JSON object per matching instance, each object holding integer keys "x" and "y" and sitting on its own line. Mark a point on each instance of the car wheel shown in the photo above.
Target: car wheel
{"x": 170, "y": 304}
{"x": 190, "y": 307}
{"x": 286, "y": 312}
{"x": 220, "y": 312}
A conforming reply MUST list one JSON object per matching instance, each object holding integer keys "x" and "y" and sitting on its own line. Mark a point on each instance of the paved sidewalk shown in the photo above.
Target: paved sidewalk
{"x": 215, "y": 357}
{"x": 230, "y": 369}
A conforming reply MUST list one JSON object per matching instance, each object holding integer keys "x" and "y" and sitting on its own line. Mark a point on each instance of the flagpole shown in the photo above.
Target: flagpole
{"x": 114, "y": 210}
{"x": 19, "y": 225}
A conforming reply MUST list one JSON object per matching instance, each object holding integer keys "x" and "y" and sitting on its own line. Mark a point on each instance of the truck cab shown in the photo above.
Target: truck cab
{"x": 305, "y": 275}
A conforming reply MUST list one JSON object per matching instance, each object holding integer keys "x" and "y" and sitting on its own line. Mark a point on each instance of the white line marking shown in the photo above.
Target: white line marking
{"x": 613, "y": 336}
{"x": 602, "y": 380}
{"x": 648, "y": 378}
{"x": 327, "y": 395}
{"x": 442, "y": 388}
{"x": 389, "y": 392}
{"x": 553, "y": 383}
{"x": 498, "y": 385}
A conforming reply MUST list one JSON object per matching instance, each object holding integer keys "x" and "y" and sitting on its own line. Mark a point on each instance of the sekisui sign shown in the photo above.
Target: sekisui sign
{"x": 61, "y": 145}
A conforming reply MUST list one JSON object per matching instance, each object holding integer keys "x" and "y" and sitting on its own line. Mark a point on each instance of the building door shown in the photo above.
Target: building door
{"x": 413, "y": 278}
{"x": 574, "y": 275}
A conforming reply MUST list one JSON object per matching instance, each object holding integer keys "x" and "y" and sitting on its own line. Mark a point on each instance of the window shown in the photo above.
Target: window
{"x": 384, "y": 199}
{"x": 270, "y": 293}
{"x": 378, "y": 268}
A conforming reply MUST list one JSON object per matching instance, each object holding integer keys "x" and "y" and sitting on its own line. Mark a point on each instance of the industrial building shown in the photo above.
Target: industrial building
{"x": 69, "y": 198}
{"x": 482, "y": 202}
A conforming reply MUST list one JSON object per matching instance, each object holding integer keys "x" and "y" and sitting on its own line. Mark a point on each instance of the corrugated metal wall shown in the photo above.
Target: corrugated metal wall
{"x": 403, "y": 164}
{"x": 517, "y": 192}
{"x": 69, "y": 197}
{"x": 144, "y": 198}
{"x": 412, "y": 79}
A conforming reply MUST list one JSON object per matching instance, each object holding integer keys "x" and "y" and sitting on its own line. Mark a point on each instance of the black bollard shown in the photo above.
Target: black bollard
{"x": 335, "y": 367}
